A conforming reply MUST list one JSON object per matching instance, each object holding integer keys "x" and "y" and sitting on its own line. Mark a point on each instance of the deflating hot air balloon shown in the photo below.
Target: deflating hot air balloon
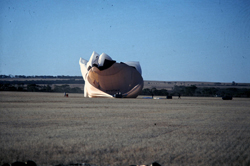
{"x": 106, "y": 78}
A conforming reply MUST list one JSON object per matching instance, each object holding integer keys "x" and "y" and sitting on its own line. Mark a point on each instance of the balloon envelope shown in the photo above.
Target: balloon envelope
{"x": 107, "y": 78}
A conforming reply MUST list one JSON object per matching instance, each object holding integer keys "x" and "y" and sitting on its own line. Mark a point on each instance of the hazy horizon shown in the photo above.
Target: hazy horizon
{"x": 55, "y": 76}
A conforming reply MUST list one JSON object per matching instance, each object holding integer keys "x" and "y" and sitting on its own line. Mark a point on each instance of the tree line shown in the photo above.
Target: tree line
{"x": 40, "y": 88}
{"x": 45, "y": 85}
{"x": 44, "y": 81}
{"x": 199, "y": 92}
{"x": 38, "y": 76}
{"x": 176, "y": 91}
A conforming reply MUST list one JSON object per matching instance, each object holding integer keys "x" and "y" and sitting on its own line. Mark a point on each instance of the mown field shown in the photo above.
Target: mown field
{"x": 51, "y": 129}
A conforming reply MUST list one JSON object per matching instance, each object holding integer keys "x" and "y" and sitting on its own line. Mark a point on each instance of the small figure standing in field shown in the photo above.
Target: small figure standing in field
{"x": 179, "y": 96}
{"x": 66, "y": 94}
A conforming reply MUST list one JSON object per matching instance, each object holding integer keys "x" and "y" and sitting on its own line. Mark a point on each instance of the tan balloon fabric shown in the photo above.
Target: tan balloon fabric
{"x": 92, "y": 92}
{"x": 105, "y": 78}
{"x": 117, "y": 78}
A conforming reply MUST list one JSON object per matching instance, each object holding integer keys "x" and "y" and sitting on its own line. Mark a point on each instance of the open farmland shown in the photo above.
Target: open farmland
{"x": 51, "y": 129}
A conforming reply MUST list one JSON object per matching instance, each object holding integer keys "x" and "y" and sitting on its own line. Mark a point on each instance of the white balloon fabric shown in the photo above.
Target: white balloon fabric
{"x": 106, "y": 78}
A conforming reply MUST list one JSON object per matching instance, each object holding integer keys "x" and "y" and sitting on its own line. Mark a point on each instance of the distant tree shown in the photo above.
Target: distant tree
{"x": 32, "y": 88}
{"x": 209, "y": 91}
{"x": 146, "y": 91}
{"x": 76, "y": 90}
{"x": 190, "y": 90}
{"x": 153, "y": 91}
{"x": 62, "y": 88}
{"x": 178, "y": 90}
{"x": 20, "y": 87}
{"x": 163, "y": 92}
{"x": 48, "y": 88}
{"x": 7, "y": 87}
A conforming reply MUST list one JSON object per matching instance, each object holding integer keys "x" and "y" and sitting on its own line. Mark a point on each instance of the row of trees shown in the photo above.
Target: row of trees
{"x": 195, "y": 91}
{"x": 39, "y": 88}
{"x": 177, "y": 90}
{"x": 211, "y": 91}
{"x": 38, "y": 76}
{"x": 44, "y": 81}
{"x": 154, "y": 91}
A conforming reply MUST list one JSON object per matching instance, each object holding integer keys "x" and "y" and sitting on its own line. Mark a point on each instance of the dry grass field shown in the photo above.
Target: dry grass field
{"x": 51, "y": 129}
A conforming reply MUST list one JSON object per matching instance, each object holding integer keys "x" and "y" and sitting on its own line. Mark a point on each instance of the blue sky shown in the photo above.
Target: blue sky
{"x": 174, "y": 40}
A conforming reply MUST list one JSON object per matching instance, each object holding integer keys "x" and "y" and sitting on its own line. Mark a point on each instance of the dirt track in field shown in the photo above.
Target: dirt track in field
{"x": 51, "y": 129}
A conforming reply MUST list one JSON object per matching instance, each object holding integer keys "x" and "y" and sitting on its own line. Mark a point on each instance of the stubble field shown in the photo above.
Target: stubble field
{"x": 51, "y": 129}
